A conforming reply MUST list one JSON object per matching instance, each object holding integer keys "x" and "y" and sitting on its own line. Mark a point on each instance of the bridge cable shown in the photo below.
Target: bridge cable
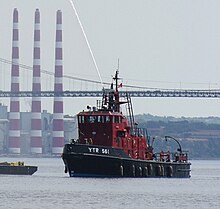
{"x": 86, "y": 39}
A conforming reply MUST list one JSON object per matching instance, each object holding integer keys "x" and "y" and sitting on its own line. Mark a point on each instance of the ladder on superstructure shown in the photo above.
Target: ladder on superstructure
{"x": 130, "y": 114}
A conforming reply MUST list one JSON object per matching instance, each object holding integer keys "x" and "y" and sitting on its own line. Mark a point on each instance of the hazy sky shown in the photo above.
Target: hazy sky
{"x": 160, "y": 43}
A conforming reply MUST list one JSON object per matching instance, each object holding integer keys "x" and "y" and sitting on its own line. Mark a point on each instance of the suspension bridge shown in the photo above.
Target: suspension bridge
{"x": 85, "y": 89}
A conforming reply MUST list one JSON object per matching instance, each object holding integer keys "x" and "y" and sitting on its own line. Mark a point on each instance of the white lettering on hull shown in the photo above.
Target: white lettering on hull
{"x": 98, "y": 150}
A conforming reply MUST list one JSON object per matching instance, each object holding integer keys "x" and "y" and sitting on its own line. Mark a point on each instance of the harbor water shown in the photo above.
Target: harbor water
{"x": 51, "y": 188}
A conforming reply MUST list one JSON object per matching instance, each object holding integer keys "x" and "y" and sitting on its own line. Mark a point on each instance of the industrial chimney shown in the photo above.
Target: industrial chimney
{"x": 36, "y": 129}
{"x": 14, "y": 114}
{"x": 58, "y": 123}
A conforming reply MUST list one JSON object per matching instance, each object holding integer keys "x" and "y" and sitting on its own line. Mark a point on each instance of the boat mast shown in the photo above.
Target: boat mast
{"x": 117, "y": 104}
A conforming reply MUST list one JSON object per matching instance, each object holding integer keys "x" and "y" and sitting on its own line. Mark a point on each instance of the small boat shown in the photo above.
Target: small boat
{"x": 112, "y": 145}
{"x": 16, "y": 168}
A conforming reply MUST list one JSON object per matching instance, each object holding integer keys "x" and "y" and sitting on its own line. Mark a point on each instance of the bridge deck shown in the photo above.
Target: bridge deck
{"x": 147, "y": 93}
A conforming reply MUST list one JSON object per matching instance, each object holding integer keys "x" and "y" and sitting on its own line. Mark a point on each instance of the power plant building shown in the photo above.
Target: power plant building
{"x": 70, "y": 125}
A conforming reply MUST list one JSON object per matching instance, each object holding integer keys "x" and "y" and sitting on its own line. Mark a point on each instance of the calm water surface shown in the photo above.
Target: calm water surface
{"x": 51, "y": 188}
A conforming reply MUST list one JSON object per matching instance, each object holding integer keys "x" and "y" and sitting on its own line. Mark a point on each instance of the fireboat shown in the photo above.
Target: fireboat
{"x": 110, "y": 144}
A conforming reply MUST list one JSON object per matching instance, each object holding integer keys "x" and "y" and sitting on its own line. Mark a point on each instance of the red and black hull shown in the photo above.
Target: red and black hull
{"x": 99, "y": 161}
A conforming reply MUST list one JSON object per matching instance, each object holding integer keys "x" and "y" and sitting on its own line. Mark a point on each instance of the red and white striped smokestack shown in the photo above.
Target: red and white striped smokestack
{"x": 36, "y": 129}
{"x": 14, "y": 114}
{"x": 58, "y": 124}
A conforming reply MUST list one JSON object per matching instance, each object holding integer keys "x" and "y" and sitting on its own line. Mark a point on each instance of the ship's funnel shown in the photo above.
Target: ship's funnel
{"x": 14, "y": 114}
{"x": 36, "y": 129}
{"x": 58, "y": 123}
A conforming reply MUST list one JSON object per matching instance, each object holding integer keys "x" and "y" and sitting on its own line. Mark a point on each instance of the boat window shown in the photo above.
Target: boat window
{"x": 116, "y": 119}
{"x": 83, "y": 119}
{"x": 86, "y": 119}
{"x": 113, "y": 119}
{"x": 92, "y": 119}
{"x": 79, "y": 119}
{"x": 99, "y": 119}
{"x": 107, "y": 119}
{"x": 103, "y": 119}
{"x": 121, "y": 133}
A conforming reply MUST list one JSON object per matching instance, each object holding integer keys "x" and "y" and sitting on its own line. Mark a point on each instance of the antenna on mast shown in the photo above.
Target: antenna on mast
{"x": 118, "y": 65}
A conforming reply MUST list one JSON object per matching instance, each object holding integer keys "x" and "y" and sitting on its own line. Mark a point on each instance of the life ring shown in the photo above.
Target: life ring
{"x": 170, "y": 171}
{"x": 121, "y": 170}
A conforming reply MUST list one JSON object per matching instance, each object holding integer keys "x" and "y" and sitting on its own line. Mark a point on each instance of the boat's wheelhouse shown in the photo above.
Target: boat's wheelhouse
{"x": 99, "y": 128}
{"x": 112, "y": 129}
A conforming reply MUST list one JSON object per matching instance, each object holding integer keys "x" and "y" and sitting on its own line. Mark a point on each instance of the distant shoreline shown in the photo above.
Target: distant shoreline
{"x": 59, "y": 156}
{"x": 29, "y": 156}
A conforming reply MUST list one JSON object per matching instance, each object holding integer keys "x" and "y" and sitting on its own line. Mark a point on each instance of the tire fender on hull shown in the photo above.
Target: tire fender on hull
{"x": 170, "y": 171}
{"x": 121, "y": 170}
{"x": 145, "y": 171}
{"x": 150, "y": 170}
{"x": 133, "y": 170}
{"x": 160, "y": 170}
{"x": 140, "y": 171}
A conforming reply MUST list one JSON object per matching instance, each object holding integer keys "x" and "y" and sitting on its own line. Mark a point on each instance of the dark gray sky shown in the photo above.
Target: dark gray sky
{"x": 160, "y": 43}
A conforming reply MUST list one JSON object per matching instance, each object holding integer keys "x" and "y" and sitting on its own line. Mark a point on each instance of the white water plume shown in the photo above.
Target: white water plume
{"x": 87, "y": 41}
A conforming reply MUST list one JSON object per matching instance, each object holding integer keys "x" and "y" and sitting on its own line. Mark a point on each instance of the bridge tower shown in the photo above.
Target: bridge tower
{"x": 14, "y": 114}
{"x": 58, "y": 123}
{"x": 36, "y": 129}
